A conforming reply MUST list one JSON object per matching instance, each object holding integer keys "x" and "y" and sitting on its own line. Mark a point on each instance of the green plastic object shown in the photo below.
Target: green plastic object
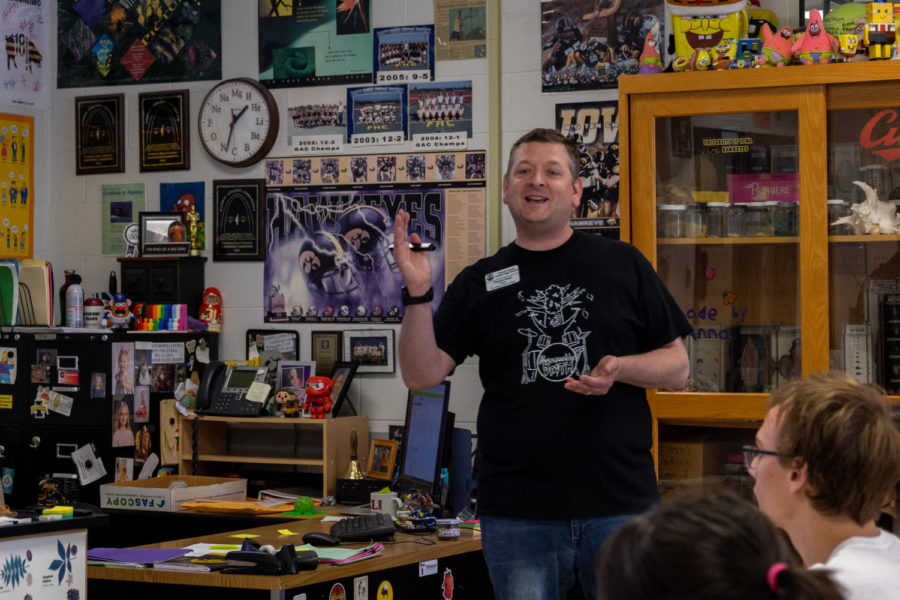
{"x": 304, "y": 505}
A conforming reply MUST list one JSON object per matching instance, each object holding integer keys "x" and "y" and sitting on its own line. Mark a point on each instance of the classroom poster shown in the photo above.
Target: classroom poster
{"x": 121, "y": 204}
{"x": 376, "y": 114}
{"x": 25, "y": 26}
{"x": 100, "y": 42}
{"x": 587, "y": 44}
{"x": 328, "y": 256}
{"x": 314, "y": 42}
{"x": 318, "y": 127}
{"x": 460, "y": 29}
{"x": 16, "y": 186}
{"x": 595, "y": 128}
{"x": 440, "y": 107}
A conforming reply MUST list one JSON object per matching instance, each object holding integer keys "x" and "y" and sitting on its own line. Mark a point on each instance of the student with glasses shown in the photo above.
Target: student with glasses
{"x": 705, "y": 544}
{"x": 826, "y": 460}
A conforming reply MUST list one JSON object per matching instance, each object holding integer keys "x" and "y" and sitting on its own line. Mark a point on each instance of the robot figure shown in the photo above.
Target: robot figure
{"x": 318, "y": 396}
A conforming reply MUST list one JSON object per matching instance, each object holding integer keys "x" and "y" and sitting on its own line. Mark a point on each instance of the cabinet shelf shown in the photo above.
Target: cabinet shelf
{"x": 309, "y": 445}
{"x": 735, "y": 241}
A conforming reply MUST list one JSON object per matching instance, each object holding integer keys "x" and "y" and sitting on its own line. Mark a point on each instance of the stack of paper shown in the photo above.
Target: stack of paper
{"x": 344, "y": 556}
{"x": 132, "y": 557}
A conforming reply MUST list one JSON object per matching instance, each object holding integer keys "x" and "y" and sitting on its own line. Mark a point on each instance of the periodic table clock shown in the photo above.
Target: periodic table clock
{"x": 238, "y": 122}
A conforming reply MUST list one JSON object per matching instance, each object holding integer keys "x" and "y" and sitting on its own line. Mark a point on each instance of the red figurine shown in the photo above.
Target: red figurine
{"x": 318, "y": 396}
{"x": 211, "y": 308}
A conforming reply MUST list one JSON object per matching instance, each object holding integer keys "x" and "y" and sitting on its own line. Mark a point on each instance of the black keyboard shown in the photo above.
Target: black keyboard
{"x": 363, "y": 528}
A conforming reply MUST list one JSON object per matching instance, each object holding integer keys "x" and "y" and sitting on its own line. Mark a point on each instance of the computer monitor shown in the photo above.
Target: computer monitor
{"x": 424, "y": 436}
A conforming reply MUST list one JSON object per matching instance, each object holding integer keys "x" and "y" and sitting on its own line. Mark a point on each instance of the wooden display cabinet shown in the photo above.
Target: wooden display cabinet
{"x": 790, "y": 304}
{"x": 302, "y": 445}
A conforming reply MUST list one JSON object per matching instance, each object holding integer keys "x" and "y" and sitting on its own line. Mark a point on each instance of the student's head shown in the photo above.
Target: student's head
{"x": 705, "y": 544}
{"x": 123, "y": 415}
{"x": 837, "y": 450}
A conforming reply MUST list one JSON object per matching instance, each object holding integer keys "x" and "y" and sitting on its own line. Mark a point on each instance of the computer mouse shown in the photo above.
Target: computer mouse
{"x": 320, "y": 538}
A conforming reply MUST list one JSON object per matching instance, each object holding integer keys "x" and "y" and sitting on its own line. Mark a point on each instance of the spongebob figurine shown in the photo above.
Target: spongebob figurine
{"x": 881, "y": 31}
{"x": 713, "y": 30}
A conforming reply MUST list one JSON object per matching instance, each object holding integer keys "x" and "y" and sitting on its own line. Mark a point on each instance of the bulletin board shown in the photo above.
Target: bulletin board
{"x": 16, "y": 186}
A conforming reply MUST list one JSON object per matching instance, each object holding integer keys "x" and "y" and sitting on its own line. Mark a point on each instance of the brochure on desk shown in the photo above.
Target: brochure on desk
{"x": 48, "y": 567}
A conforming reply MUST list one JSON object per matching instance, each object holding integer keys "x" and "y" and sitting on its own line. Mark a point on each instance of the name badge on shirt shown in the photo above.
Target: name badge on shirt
{"x": 502, "y": 278}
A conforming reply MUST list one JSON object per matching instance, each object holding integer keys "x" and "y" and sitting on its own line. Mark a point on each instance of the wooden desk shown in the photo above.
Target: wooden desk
{"x": 414, "y": 567}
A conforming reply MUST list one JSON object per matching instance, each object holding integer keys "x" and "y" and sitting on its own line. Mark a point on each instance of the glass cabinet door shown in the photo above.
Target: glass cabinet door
{"x": 863, "y": 258}
{"x": 727, "y": 244}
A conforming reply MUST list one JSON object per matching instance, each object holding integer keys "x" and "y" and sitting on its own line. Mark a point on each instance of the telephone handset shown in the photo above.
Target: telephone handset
{"x": 223, "y": 390}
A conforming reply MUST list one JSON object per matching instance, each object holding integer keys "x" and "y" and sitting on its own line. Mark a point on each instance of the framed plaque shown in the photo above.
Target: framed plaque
{"x": 100, "y": 134}
{"x": 163, "y": 234}
{"x": 164, "y": 135}
{"x": 238, "y": 220}
{"x": 325, "y": 349}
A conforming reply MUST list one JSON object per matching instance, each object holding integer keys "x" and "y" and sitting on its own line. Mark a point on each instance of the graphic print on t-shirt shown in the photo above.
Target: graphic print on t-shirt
{"x": 557, "y": 346}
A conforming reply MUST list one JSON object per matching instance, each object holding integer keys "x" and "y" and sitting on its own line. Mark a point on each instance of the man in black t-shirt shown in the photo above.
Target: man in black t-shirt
{"x": 569, "y": 329}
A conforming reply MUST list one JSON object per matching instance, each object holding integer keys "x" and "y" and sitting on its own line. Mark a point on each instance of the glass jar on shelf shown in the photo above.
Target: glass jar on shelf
{"x": 716, "y": 218}
{"x": 755, "y": 219}
{"x": 837, "y": 209}
{"x": 785, "y": 219}
{"x": 734, "y": 223}
{"x": 695, "y": 221}
{"x": 671, "y": 220}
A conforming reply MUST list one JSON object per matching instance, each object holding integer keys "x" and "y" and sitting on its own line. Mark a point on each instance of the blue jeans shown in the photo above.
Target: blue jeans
{"x": 540, "y": 559}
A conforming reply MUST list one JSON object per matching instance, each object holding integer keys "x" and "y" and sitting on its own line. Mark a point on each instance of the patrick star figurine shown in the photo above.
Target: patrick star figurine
{"x": 776, "y": 48}
{"x": 815, "y": 45}
{"x": 650, "y": 60}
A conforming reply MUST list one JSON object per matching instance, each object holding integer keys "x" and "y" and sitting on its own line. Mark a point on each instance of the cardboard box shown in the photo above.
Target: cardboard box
{"x": 699, "y": 455}
{"x": 159, "y": 495}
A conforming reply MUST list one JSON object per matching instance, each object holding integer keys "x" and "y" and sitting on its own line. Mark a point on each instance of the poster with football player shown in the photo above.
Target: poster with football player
{"x": 595, "y": 128}
{"x": 587, "y": 44}
{"x": 328, "y": 254}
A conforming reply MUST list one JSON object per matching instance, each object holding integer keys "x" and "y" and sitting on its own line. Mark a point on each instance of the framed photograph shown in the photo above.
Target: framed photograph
{"x": 325, "y": 349}
{"x": 371, "y": 349}
{"x": 163, "y": 234}
{"x": 238, "y": 219}
{"x": 341, "y": 376}
{"x": 382, "y": 457}
{"x": 292, "y": 375}
{"x": 100, "y": 134}
{"x": 164, "y": 136}
{"x": 285, "y": 341}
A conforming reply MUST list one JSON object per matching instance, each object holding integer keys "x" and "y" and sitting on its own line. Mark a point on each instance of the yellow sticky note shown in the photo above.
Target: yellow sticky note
{"x": 258, "y": 392}
{"x": 287, "y": 532}
{"x": 224, "y": 547}
{"x": 244, "y": 535}
{"x": 6, "y": 401}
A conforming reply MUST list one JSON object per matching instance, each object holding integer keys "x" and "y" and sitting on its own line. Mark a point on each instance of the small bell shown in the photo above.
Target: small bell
{"x": 353, "y": 471}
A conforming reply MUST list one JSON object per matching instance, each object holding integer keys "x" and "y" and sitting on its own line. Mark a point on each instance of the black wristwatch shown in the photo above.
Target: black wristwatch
{"x": 406, "y": 299}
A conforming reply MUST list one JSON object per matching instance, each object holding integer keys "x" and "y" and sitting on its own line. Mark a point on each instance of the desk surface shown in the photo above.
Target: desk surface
{"x": 404, "y": 550}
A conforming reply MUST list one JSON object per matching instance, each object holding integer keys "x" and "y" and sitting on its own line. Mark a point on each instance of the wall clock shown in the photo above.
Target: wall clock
{"x": 238, "y": 122}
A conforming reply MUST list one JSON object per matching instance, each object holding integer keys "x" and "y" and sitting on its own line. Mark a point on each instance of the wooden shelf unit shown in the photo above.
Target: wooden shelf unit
{"x": 313, "y": 445}
{"x": 813, "y": 294}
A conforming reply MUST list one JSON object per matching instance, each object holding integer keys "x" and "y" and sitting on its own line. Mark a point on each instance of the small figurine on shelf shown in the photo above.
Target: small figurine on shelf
{"x": 848, "y": 47}
{"x": 776, "y": 49}
{"x": 186, "y": 394}
{"x": 118, "y": 312}
{"x": 318, "y": 396}
{"x": 881, "y": 31}
{"x": 815, "y": 45}
{"x": 288, "y": 402}
{"x": 651, "y": 63}
{"x": 211, "y": 308}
